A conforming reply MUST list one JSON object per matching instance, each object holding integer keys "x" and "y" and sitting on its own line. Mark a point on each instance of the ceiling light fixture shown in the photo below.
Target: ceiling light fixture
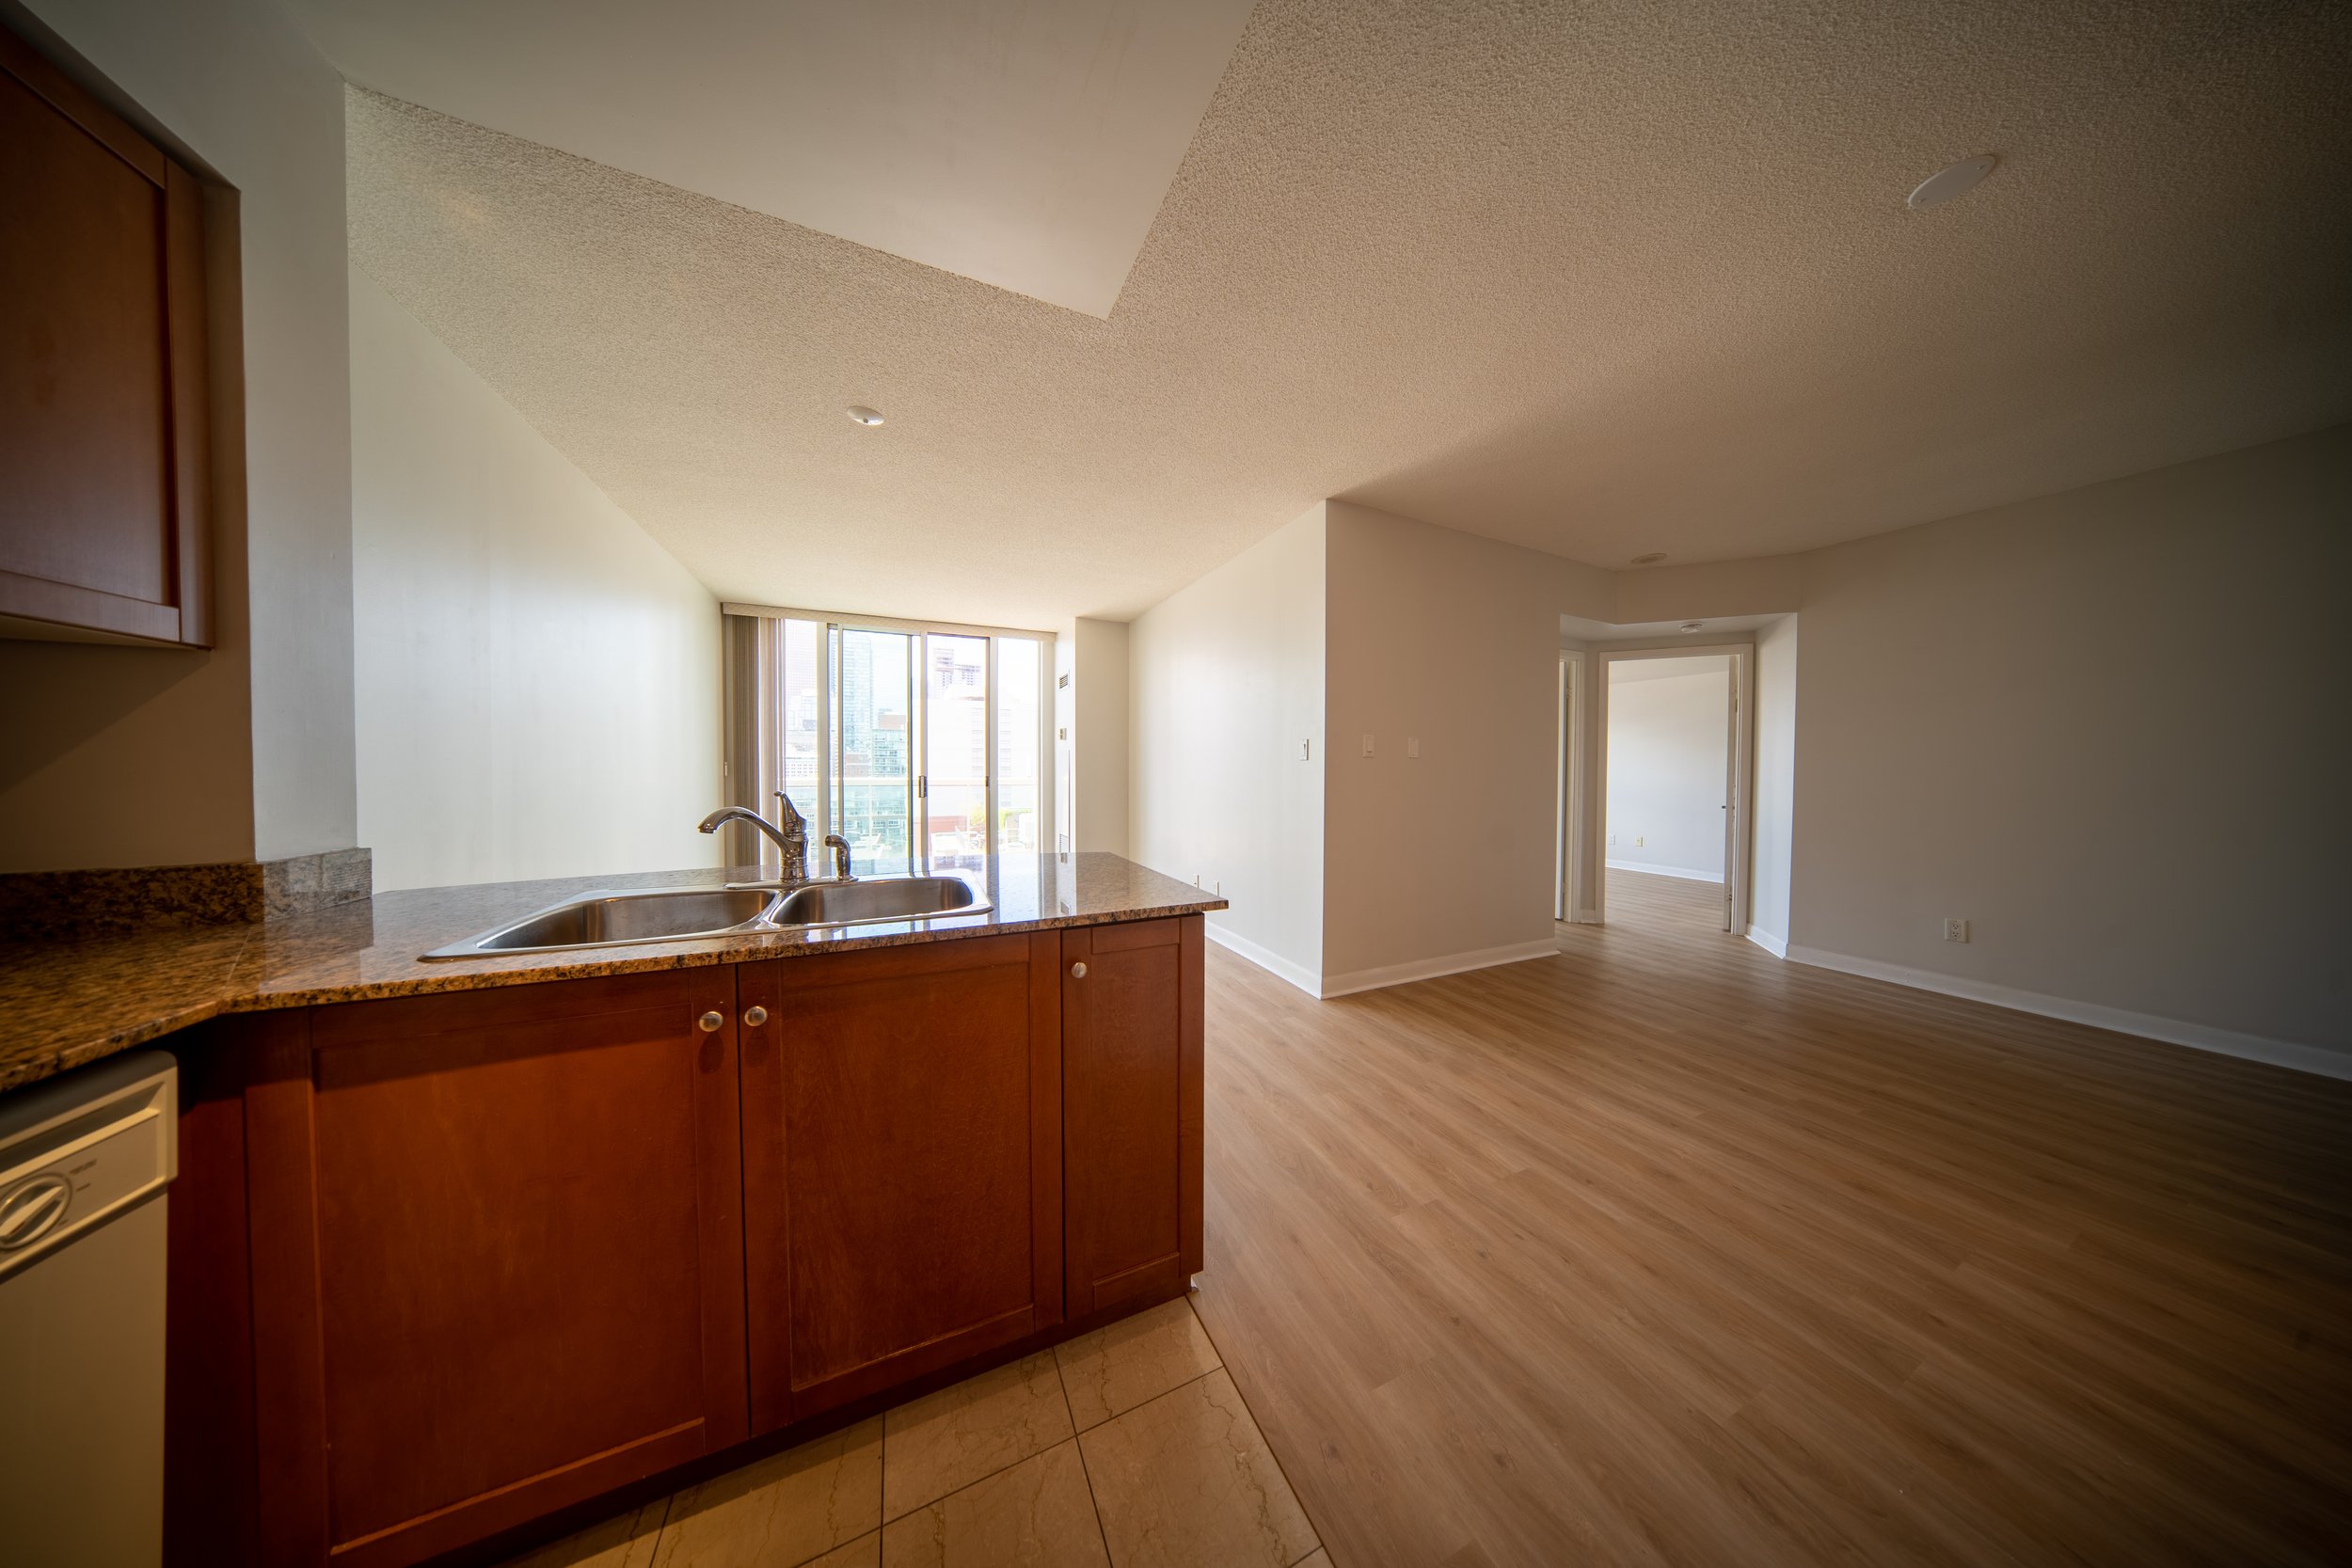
{"x": 1651, "y": 560}
{"x": 860, "y": 414}
{"x": 1957, "y": 181}
{"x": 1690, "y": 626}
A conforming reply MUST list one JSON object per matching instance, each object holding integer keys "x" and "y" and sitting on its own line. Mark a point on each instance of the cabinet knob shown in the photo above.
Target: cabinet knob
{"x": 1078, "y": 971}
{"x": 755, "y": 1017}
{"x": 713, "y": 1022}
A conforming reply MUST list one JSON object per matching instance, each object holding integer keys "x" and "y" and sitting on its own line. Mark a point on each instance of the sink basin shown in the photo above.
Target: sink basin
{"x": 885, "y": 898}
{"x": 680, "y": 914}
{"x": 613, "y": 918}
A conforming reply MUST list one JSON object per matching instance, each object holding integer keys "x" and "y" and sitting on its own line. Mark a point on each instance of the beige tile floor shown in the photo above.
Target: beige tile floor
{"x": 1127, "y": 1448}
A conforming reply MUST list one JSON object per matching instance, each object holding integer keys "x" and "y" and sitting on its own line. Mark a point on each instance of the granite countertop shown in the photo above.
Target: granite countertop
{"x": 66, "y": 1002}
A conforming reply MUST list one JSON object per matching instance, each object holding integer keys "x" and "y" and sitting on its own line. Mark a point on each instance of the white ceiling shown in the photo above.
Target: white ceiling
{"x": 1601, "y": 280}
{"x": 1624, "y": 671}
{"x": 1025, "y": 143}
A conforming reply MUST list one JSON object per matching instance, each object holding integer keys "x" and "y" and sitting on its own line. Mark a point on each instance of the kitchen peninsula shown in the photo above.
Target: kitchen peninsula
{"x": 457, "y": 1246}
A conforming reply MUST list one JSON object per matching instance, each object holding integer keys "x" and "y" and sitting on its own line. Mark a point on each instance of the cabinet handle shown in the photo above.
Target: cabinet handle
{"x": 755, "y": 1017}
{"x": 1078, "y": 971}
{"x": 713, "y": 1022}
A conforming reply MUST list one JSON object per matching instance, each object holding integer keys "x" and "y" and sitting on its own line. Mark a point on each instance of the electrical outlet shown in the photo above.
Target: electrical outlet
{"x": 1412, "y": 745}
{"x": 1367, "y": 745}
{"x": 1613, "y": 841}
{"x": 1955, "y": 928}
{"x": 1639, "y": 841}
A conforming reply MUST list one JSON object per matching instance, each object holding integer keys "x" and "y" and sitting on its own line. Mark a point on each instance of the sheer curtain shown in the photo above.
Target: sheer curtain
{"x": 754, "y": 744}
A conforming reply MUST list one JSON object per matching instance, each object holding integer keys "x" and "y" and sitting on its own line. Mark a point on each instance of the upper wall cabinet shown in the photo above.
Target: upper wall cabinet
{"x": 104, "y": 528}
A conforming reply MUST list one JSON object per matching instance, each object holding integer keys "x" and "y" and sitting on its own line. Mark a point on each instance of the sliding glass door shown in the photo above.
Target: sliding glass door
{"x": 872, "y": 745}
{"x": 918, "y": 747}
{"x": 955, "y": 777}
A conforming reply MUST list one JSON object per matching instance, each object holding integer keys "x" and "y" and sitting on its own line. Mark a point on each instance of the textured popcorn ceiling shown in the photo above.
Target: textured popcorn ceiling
{"x": 1603, "y": 280}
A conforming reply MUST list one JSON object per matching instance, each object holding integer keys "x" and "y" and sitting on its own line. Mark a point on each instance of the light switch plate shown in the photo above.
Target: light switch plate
{"x": 1412, "y": 745}
{"x": 1367, "y": 745}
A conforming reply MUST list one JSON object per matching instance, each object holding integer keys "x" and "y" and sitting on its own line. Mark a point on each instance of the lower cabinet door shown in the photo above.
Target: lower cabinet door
{"x": 1131, "y": 1065}
{"x": 902, "y": 1164}
{"x": 498, "y": 1256}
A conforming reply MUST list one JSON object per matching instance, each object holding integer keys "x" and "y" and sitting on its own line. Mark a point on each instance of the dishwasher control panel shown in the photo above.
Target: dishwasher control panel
{"x": 78, "y": 1151}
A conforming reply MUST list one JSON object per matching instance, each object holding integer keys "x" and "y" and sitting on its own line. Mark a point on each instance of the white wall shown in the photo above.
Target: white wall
{"x": 1099, "y": 733}
{"x": 1226, "y": 681}
{"x": 2107, "y": 727}
{"x": 133, "y": 756}
{"x": 538, "y": 682}
{"x": 1775, "y": 789}
{"x": 1669, "y": 743}
{"x": 1445, "y": 861}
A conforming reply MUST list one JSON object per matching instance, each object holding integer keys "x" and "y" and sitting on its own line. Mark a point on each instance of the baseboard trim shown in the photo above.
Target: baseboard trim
{"x": 1771, "y": 942}
{"x": 1264, "y": 957}
{"x": 2172, "y": 1030}
{"x": 1430, "y": 969}
{"x": 1683, "y": 872}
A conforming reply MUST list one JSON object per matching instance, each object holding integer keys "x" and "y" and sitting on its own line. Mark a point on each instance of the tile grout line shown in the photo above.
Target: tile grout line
{"x": 669, "y": 1500}
{"x": 1281, "y": 1470}
{"x": 1001, "y": 1469}
{"x": 1084, "y": 1470}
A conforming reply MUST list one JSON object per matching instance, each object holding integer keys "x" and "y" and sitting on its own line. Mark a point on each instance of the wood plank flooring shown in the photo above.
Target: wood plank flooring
{"x": 1663, "y": 1251}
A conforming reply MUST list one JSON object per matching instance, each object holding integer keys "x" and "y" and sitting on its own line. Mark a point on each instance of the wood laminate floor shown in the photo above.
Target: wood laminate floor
{"x": 1663, "y": 1251}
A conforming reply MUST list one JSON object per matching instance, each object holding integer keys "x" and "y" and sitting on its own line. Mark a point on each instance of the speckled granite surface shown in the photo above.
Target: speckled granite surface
{"x": 66, "y": 1002}
{"x": 45, "y": 906}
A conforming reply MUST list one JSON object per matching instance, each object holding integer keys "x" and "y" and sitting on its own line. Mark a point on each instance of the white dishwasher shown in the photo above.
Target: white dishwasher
{"x": 83, "y": 1161}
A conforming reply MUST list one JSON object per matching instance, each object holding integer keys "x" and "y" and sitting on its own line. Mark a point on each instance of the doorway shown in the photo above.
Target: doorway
{"x": 1672, "y": 763}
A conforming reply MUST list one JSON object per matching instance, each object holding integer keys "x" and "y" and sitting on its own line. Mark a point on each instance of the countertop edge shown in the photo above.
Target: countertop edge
{"x": 238, "y": 980}
{"x": 650, "y": 957}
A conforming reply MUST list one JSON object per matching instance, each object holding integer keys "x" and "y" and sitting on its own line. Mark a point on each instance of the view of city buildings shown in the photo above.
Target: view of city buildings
{"x": 905, "y": 746}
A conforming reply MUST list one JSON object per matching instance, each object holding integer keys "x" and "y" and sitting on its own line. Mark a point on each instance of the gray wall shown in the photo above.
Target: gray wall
{"x": 2108, "y": 728}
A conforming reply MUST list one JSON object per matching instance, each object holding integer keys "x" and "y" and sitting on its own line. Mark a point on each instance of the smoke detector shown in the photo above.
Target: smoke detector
{"x": 1651, "y": 560}
{"x": 1689, "y": 626}
{"x": 1946, "y": 184}
{"x": 859, "y": 414}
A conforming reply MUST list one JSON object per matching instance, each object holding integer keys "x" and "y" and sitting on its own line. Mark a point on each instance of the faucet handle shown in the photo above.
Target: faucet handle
{"x": 787, "y": 814}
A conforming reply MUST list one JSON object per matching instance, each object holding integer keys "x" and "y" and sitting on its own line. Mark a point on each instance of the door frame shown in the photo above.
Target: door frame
{"x": 1569, "y": 827}
{"x": 1739, "y": 766}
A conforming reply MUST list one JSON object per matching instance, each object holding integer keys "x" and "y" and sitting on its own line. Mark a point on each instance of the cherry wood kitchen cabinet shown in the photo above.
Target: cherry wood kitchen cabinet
{"x": 104, "y": 489}
{"x": 445, "y": 1264}
{"x": 902, "y": 1143}
{"x": 497, "y": 1256}
{"x": 1132, "y": 1090}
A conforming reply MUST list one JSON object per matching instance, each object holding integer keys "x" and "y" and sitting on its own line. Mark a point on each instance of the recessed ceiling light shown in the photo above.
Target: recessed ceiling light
{"x": 1651, "y": 560}
{"x": 1690, "y": 626}
{"x": 1959, "y": 179}
{"x": 859, "y": 414}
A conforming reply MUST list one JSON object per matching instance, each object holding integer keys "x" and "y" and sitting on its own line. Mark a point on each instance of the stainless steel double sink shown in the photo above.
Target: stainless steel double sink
{"x": 682, "y": 914}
